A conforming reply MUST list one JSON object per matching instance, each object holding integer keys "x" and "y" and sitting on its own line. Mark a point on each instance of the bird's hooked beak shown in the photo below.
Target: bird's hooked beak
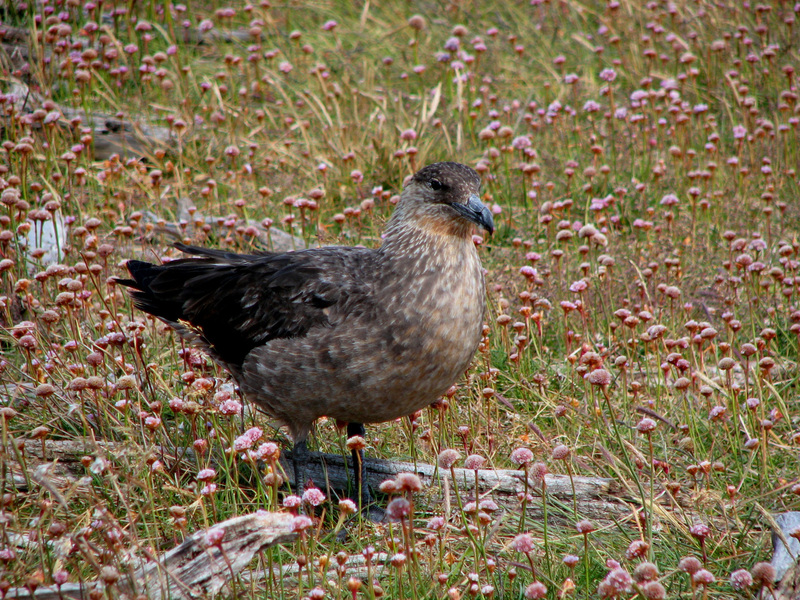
{"x": 477, "y": 212}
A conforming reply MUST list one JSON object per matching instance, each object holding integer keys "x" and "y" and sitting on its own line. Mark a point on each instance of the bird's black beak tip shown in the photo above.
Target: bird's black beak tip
{"x": 477, "y": 212}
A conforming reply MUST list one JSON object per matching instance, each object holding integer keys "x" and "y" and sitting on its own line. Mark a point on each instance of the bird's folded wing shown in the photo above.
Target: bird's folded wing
{"x": 235, "y": 303}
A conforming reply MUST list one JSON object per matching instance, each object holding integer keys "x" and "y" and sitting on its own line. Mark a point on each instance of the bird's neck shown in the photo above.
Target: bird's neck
{"x": 429, "y": 237}
{"x": 412, "y": 224}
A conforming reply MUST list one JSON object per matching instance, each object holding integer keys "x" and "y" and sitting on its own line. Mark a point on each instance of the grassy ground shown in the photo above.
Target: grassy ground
{"x": 641, "y": 161}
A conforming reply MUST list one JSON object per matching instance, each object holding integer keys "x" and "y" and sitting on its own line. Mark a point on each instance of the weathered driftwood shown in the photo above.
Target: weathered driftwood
{"x": 788, "y": 588}
{"x": 785, "y": 556}
{"x": 272, "y": 239}
{"x": 16, "y": 50}
{"x": 596, "y": 498}
{"x": 196, "y": 568}
{"x": 354, "y": 566}
{"x": 129, "y": 138}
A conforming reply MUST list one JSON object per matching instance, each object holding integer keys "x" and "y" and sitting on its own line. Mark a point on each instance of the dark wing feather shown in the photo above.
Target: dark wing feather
{"x": 235, "y": 303}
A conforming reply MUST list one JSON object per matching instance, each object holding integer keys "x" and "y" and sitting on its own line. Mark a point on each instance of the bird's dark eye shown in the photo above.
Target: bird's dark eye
{"x": 436, "y": 185}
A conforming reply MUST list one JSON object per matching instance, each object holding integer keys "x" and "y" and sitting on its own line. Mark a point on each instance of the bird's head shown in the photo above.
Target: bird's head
{"x": 444, "y": 197}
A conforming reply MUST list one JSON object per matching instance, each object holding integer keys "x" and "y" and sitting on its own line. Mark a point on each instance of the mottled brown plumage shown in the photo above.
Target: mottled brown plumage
{"x": 354, "y": 334}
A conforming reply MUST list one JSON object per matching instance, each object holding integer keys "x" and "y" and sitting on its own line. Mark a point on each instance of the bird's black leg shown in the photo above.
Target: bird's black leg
{"x": 365, "y": 498}
{"x": 300, "y": 462}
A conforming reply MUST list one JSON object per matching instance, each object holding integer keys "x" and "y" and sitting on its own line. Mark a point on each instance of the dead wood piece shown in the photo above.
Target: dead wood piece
{"x": 273, "y": 239}
{"x": 788, "y": 588}
{"x": 596, "y": 498}
{"x": 194, "y": 569}
{"x": 355, "y": 564}
{"x": 785, "y": 556}
{"x": 57, "y": 465}
{"x": 14, "y": 35}
{"x": 129, "y": 138}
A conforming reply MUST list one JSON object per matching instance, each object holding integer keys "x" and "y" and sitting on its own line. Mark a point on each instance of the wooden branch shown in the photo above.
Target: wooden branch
{"x": 194, "y": 569}
{"x": 788, "y": 588}
{"x": 130, "y": 138}
{"x": 597, "y": 498}
{"x": 785, "y": 556}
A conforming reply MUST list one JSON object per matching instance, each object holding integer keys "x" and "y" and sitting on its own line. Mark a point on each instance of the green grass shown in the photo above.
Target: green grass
{"x": 562, "y": 143}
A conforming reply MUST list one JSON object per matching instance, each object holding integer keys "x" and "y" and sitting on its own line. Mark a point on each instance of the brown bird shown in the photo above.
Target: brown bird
{"x": 355, "y": 334}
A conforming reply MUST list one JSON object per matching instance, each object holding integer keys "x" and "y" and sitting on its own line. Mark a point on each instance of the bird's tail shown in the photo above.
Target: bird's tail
{"x": 156, "y": 289}
{"x": 161, "y": 290}
{"x": 198, "y": 297}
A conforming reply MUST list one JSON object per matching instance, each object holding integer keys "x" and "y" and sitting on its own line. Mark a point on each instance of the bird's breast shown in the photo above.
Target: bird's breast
{"x": 437, "y": 307}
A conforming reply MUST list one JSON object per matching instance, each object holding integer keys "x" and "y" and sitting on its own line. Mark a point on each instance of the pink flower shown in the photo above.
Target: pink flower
{"x": 535, "y": 591}
{"x": 269, "y": 451}
{"x": 578, "y": 286}
{"x": 206, "y": 474}
{"x": 292, "y": 501}
{"x": 700, "y": 530}
{"x": 398, "y": 560}
{"x": 230, "y": 407}
{"x": 301, "y": 523}
{"x": 599, "y": 377}
{"x": 538, "y": 470}
{"x": 703, "y": 577}
{"x": 608, "y": 75}
{"x": 646, "y": 425}
{"x": 435, "y": 523}
{"x": 571, "y": 560}
{"x": 741, "y": 580}
{"x": 214, "y": 536}
{"x": 408, "y": 482}
{"x": 636, "y": 549}
{"x": 448, "y": 458}
{"x": 474, "y": 462}
{"x": 398, "y": 509}
{"x": 254, "y": 433}
{"x": 591, "y": 106}
{"x": 452, "y": 44}
{"x": 313, "y": 496}
{"x": 584, "y": 527}
{"x": 521, "y": 142}
{"x": 669, "y": 200}
{"x": 247, "y": 439}
{"x": 521, "y": 456}
{"x": 523, "y": 543}
{"x": 618, "y": 580}
{"x": 690, "y": 565}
